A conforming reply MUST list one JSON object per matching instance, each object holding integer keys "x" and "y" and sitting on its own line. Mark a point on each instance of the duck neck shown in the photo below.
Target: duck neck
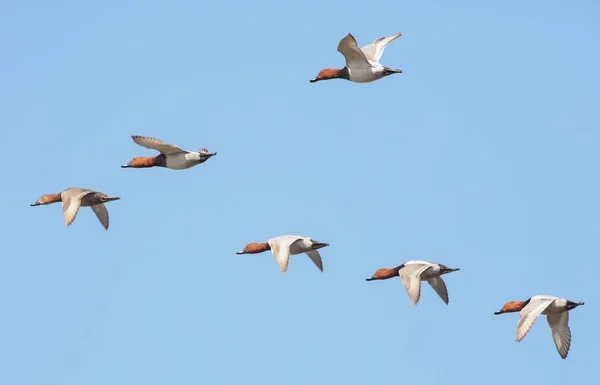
{"x": 53, "y": 198}
{"x": 344, "y": 73}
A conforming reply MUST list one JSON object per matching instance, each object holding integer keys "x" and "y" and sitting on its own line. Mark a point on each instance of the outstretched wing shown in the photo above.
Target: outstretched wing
{"x": 155, "y": 144}
{"x": 355, "y": 57}
{"x": 102, "y": 214}
{"x": 561, "y": 333}
{"x": 280, "y": 247}
{"x": 530, "y": 313}
{"x": 316, "y": 258}
{"x": 374, "y": 50}
{"x": 439, "y": 286}
{"x": 411, "y": 279}
{"x": 71, "y": 201}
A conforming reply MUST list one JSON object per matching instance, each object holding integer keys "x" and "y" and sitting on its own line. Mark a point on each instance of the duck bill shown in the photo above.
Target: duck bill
{"x": 240, "y": 252}
{"x": 370, "y": 278}
{"x": 314, "y": 80}
{"x": 498, "y": 312}
{"x": 34, "y": 204}
{"x": 449, "y": 270}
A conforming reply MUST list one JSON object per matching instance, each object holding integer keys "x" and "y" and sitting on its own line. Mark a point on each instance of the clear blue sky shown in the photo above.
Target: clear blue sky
{"x": 482, "y": 155}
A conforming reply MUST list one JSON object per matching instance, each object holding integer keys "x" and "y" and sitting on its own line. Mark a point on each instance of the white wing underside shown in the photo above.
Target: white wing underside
{"x": 374, "y": 50}
{"x": 281, "y": 250}
{"x": 411, "y": 279}
{"x": 281, "y": 246}
{"x": 71, "y": 204}
{"x": 561, "y": 333}
{"x": 355, "y": 57}
{"x": 529, "y": 314}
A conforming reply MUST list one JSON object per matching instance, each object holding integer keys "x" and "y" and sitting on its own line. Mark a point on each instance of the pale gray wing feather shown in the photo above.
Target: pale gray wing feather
{"x": 156, "y": 144}
{"x": 561, "y": 333}
{"x": 355, "y": 57}
{"x": 411, "y": 279}
{"x": 374, "y": 50}
{"x": 529, "y": 314}
{"x": 280, "y": 247}
{"x": 102, "y": 214}
{"x": 316, "y": 258}
{"x": 71, "y": 201}
{"x": 439, "y": 286}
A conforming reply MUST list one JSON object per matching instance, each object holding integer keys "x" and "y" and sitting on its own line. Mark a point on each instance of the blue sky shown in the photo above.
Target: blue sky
{"x": 482, "y": 155}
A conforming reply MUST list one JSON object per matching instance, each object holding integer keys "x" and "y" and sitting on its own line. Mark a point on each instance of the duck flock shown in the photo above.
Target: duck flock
{"x": 362, "y": 66}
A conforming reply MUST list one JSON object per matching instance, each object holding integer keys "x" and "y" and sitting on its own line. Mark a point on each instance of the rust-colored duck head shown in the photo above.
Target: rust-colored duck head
{"x": 332, "y": 73}
{"x": 385, "y": 273}
{"x": 512, "y": 307}
{"x": 47, "y": 199}
{"x": 255, "y": 248}
{"x": 142, "y": 162}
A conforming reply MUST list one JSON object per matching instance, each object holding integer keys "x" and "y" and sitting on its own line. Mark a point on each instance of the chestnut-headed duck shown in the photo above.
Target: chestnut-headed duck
{"x": 557, "y": 312}
{"x": 75, "y": 197}
{"x": 413, "y": 272}
{"x": 170, "y": 156}
{"x": 362, "y": 65}
{"x": 285, "y": 245}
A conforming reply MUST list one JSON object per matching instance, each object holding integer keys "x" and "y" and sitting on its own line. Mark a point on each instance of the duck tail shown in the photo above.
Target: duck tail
{"x": 390, "y": 71}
